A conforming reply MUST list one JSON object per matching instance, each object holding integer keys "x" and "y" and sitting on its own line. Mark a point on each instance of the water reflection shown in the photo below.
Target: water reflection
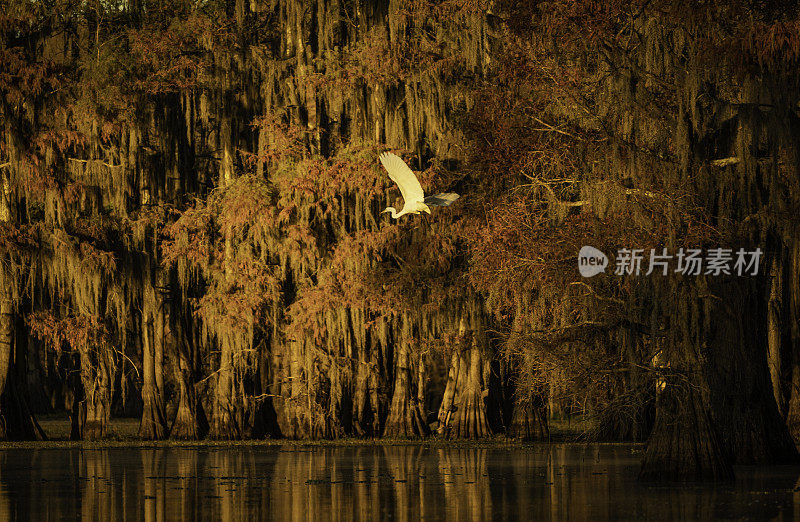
{"x": 399, "y": 482}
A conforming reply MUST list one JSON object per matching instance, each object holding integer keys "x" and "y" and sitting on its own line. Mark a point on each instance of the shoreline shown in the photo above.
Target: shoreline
{"x": 124, "y": 434}
{"x": 344, "y": 442}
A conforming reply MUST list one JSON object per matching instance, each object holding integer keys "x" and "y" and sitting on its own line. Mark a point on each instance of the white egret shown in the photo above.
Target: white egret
{"x": 413, "y": 196}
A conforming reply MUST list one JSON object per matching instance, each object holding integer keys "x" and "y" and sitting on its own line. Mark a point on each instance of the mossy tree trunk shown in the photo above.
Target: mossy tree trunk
{"x": 6, "y": 347}
{"x": 295, "y": 401}
{"x": 778, "y": 342}
{"x": 366, "y": 414}
{"x": 716, "y": 406}
{"x": 154, "y": 423}
{"x": 467, "y": 417}
{"x": 793, "y": 412}
{"x": 462, "y": 413}
{"x": 685, "y": 443}
{"x": 16, "y": 419}
{"x": 96, "y": 375}
{"x": 529, "y": 417}
{"x": 405, "y": 418}
{"x": 189, "y": 423}
{"x": 225, "y": 414}
{"x": 789, "y": 337}
{"x": 223, "y": 420}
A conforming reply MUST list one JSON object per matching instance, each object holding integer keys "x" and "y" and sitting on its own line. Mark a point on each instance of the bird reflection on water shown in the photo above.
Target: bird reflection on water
{"x": 398, "y": 482}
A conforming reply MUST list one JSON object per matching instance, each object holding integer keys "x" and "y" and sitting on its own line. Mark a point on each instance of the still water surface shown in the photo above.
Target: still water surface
{"x": 401, "y": 482}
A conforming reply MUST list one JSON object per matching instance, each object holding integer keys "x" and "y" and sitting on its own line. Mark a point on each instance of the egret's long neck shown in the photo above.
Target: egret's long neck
{"x": 393, "y": 211}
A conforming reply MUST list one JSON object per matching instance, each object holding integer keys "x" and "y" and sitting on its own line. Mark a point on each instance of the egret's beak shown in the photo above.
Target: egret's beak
{"x": 425, "y": 208}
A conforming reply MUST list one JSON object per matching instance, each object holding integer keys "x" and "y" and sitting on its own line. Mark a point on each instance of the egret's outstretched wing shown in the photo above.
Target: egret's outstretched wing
{"x": 445, "y": 199}
{"x": 403, "y": 176}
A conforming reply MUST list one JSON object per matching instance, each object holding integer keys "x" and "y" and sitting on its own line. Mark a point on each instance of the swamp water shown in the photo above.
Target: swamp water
{"x": 391, "y": 482}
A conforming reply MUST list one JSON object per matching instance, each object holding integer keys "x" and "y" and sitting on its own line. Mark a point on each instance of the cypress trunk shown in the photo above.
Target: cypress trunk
{"x": 94, "y": 410}
{"x": 188, "y": 423}
{"x": 16, "y": 419}
{"x": 462, "y": 413}
{"x": 750, "y": 425}
{"x": 791, "y": 304}
{"x": 153, "y": 423}
{"x": 293, "y": 393}
{"x": 223, "y": 421}
{"x": 405, "y": 418}
{"x": 684, "y": 445}
{"x": 6, "y": 346}
{"x": 529, "y": 417}
{"x": 467, "y": 416}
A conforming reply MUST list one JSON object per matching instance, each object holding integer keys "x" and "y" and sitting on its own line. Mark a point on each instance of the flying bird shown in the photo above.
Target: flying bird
{"x": 413, "y": 196}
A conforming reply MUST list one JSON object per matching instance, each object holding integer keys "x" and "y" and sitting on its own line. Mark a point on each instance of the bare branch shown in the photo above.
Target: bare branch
{"x": 724, "y": 162}
{"x": 109, "y": 165}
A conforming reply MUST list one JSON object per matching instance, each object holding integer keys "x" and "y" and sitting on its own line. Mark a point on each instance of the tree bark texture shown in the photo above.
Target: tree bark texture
{"x": 405, "y": 418}
{"x": 463, "y": 410}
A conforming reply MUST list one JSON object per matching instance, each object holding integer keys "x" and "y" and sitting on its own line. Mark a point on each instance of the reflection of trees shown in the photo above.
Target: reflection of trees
{"x": 231, "y": 471}
{"x": 155, "y": 487}
{"x": 5, "y": 503}
{"x": 403, "y": 469}
{"x": 291, "y": 470}
{"x": 570, "y": 491}
{"x": 187, "y": 469}
{"x": 366, "y": 469}
{"x": 518, "y": 484}
{"x": 466, "y": 483}
{"x": 403, "y": 482}
{"x": 309, "y": 484}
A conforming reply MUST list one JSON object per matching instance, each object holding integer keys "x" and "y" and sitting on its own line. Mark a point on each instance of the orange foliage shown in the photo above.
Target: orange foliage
{"x": 241, "y": 281}
{"x": 16, "y": 238}
{"x": 73, "y": 333}
{"x": 22, "y": 79}
{"x": 189, "y": 237}
{"x": 176, "y": 58}
{"x": 285, "y": 140}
